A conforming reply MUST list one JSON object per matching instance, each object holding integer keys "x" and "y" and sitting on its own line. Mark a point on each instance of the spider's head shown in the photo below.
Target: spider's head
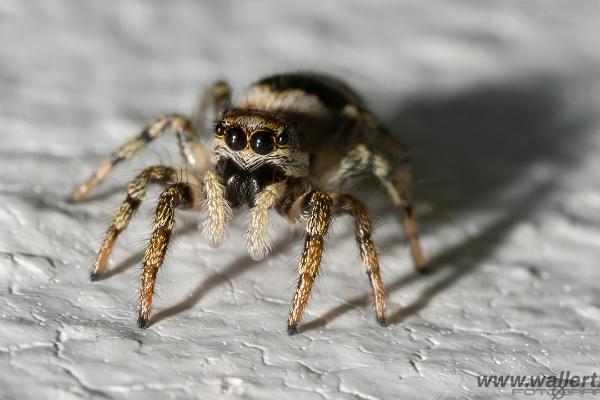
{"x": 253, "y": 139}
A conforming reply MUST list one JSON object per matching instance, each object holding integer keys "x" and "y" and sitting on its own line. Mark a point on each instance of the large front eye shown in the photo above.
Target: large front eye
{"x": 235, "y": 138}
{"x": 262, "y": 142}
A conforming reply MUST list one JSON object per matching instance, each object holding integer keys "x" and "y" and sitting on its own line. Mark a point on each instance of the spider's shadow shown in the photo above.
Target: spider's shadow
{"x": 136, "y": 258}
{"x": 240, "y": 265}
{"x": 474, "y": 146}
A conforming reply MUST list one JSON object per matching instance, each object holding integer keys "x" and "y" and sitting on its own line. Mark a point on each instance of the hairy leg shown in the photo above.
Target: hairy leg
{"x": 191, "y": 149}
{"x": 320, "y": 206}
{"x": 135, "y": 194}
{"x": 395, "y": 180}
{"x": 257, "y": 234}
{"x": 213, "y": 101}
{"x": 176, "y": 195}
{"x": 370, "y": 261}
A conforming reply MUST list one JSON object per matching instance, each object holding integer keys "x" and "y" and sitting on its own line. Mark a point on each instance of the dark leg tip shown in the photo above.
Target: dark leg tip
{"x": 383, "y": 322}
{"x": 292, "y": 330}
{"x": 142, "y": 322}
{"x": 424, "y": 269}
{"x": 94, "y": 276}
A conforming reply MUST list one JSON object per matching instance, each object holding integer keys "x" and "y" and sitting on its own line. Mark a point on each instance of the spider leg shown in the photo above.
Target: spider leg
{"x": 191, "y": 149}
{"x": 396, "y": 180}
{"x": 320, "y": 205}
{"x": 180, "y": 194}
{"x": 257, "y": 235}
{"x": 370, "y": 261}
{"x": 135, "y": 193}
{"x": 213, "y": 100}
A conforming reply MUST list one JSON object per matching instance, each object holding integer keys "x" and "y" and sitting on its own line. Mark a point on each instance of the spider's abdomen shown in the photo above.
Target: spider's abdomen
{"x": 332, "y": 93}
{"x": 299, "y": 93}
{"x": 317, "y": 104}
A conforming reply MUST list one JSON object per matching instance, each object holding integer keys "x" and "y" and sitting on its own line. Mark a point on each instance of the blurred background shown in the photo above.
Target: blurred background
{"x": 499, "y": 103}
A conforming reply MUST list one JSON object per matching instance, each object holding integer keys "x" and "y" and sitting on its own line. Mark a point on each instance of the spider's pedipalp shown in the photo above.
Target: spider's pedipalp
{"x": 177, "y": 195}
{"x": 192, "y": 151}
{"x": 257, "y": 235}
{"x": 216, "y": 211}
{"x": 135, "y": 193}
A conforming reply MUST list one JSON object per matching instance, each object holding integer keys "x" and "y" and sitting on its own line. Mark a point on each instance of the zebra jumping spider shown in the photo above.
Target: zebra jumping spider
{"x": 289, "y": 144}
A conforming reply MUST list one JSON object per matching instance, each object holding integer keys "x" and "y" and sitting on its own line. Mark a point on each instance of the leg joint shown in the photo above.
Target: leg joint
{"x": 320, "y": 205}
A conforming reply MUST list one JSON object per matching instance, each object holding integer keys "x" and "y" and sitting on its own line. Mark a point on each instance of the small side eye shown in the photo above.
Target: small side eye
{"x": 283, "y": 139}
{"x": 219, "y": 129}
{"x": 262, "y": 142}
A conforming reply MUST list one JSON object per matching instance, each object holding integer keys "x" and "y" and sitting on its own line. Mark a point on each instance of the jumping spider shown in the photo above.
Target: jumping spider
{"x": 289, "y": 144}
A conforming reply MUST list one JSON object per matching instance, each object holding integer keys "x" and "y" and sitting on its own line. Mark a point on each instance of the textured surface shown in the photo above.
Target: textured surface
{"x": 500, "y": 104}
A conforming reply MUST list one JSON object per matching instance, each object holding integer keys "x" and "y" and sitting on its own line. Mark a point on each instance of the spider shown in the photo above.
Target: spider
{"x": 290, "y": 143}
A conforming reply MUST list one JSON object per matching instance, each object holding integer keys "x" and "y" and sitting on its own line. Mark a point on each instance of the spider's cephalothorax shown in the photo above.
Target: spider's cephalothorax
{"x": 289, "y": 144}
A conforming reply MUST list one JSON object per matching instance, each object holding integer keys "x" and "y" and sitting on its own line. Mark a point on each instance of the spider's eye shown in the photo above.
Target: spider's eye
{"x": 283, "y": 139}
{"x": 235, "y": 138}
{"x": 219, "y": 129}
{"x": 262, "y": 142}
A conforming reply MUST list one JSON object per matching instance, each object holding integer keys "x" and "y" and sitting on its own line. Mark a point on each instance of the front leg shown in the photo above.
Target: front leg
{"x": 135, "y": 193}
{"x": 363, "y": 228}
{"x": 177, "y": 195}
{"x": 319, "y": 205}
